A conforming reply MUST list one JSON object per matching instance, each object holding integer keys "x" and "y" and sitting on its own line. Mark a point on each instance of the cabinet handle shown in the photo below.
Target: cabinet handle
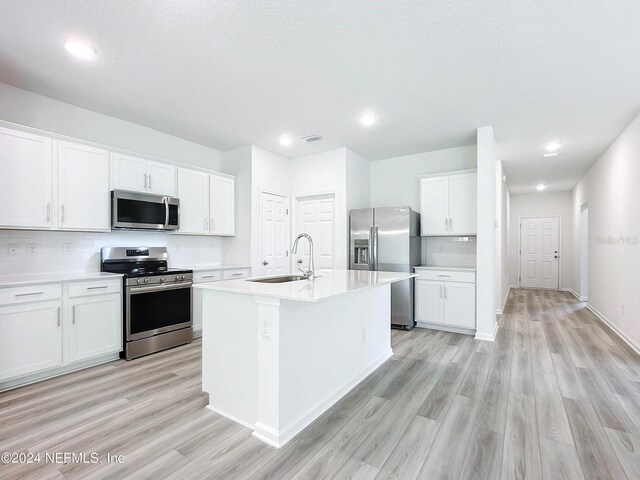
{"x": 441, "y": 296}
{"x": 59, "y": 315}
{"x": 208, "y": 276}
{"x": 451, "y": 224}
{"x": 48, "y": 212}
{"x": 149, "y": 181}
{"x": 446, "y": 276}
{"x": 204, "y": 225}
{"x": 236, "y": 274}
{"x": 98, "y": 287}
{"x": 445, "y": 291}
{"x": 446, "y": 225}
{"x": 62, "y": 213}
{"x": 73, "y": 315}
{"x": 145, "y": 180}
{"x": 28, "y": 294}
{"x": 212, "y": 223}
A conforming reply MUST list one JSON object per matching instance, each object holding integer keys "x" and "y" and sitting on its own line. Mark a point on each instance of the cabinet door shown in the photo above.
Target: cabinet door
{"x": 463, "y": 193}
{"x": 129, "y": 173}
{"x": 434, "y": 205}
{"x": 429, "y": 301}
{"x": 460, "y": 304}
{"x": 26, "y": 178}
{"x": 193, "y": 191}
{"x": 161, "y": 178}
{"x": 30, "y": 338}
{"x": 222, "y": 206}
{"x": 96, "y": 326}
{"x": 83, "y": 187}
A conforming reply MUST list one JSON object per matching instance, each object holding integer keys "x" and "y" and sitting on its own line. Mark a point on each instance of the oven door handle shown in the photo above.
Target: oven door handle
{"x": 158, "y": 288}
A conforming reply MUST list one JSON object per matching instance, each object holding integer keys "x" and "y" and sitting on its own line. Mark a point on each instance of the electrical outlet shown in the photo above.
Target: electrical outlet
{"x": 266, "y": 328}
{"x": 441, "y": 247}
{"x": 32, "y": 249}
{"x": 12, "y": 249}
{"x": 67, "y": 248}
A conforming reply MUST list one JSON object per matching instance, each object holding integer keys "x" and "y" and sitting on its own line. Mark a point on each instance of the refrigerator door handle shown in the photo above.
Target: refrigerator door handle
{"x": 373, "y": 249}
{"x": 370, "y": 248}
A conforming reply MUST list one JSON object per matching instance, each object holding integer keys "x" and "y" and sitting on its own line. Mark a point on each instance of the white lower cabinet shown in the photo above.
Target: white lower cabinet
{"x": 30, "y": 338}
{"x": 446, "y": 299}
{"x": 46, "y": 328}
{"x": 95, "y": 328}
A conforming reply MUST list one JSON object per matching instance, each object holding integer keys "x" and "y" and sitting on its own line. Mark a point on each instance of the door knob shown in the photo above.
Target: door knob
{"x": 265, "y": 263}
{"x": 300, "y": 261}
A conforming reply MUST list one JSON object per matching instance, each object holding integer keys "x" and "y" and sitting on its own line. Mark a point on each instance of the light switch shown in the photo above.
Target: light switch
{"x": 266, "y": 327}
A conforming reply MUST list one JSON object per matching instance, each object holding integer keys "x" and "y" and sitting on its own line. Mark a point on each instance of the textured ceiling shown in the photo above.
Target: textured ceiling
{"x": 230, "y": 73}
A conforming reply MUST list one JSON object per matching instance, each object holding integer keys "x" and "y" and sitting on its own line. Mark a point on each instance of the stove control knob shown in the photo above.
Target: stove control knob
{"x": 180, "y": 277}
{"x": 139, "y": 280}
{"x": 146, "y": 280}
{"x": 162, "y": 279}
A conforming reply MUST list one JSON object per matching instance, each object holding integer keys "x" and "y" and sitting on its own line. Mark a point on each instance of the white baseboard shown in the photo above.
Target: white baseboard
{"x": 575, "y": 294}
{"x": 230, "y": 417}
{"x": 446, "y": 328}
{"x": 504, "y": 302}
{"x": 489, "y": 337}
{"x": 614, "y": 328}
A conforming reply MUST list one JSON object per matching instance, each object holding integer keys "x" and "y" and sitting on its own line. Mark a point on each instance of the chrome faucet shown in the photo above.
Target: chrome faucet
{"x": 310, "y": 273}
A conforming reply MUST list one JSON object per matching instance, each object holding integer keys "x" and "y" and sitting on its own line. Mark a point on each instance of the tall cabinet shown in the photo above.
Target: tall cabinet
{"x": 448, "y": 204}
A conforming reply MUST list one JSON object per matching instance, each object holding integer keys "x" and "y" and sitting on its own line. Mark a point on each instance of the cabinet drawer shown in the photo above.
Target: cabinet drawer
{"x": 446, "y": 275}
{"x": 32, "y": 293}
{"x": 203, "y": 277}
{"x": 95, "y": 287}
{"x": 235, "y": 274}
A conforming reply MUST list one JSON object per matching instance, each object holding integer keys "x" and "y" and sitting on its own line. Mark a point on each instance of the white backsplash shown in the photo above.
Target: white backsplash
{"x": 449, "y": 251}
{"x": 80, "y": 252}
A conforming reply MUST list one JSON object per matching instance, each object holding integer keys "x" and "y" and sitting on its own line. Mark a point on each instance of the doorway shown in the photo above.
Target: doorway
{"x": 274, "y": 233}
{"x": 315, "y": 215}
{"x": 540, "y": 252}
{"x": 584, "y": 253}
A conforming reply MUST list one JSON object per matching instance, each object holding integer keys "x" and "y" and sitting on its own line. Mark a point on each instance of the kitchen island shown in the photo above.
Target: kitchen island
{"x": 275, "y": 356}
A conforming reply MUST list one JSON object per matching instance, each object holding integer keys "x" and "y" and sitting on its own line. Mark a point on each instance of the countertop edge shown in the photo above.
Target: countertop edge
{"x": 59, "y": 278}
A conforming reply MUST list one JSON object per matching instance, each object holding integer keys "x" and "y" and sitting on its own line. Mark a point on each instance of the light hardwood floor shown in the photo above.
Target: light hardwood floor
{"x": 556, "y": 396}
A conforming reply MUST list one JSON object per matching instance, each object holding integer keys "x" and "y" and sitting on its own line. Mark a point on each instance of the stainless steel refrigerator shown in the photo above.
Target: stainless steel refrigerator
{"x": 388, "y": 239}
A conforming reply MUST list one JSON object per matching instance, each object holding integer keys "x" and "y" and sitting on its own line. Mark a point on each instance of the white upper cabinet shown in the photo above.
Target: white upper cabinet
{"x": 83, "y": 187}
{"x": 434, "y": 205}
{"x": 221, "y": 205}
{"x": 463, "y": 211}
{"x": 26, "y": 179}
{"x": 448, "y": 204}
{"x": 161, "y": 178}
{"x": 193, "y": 192}
{"x": 140, "y": 175}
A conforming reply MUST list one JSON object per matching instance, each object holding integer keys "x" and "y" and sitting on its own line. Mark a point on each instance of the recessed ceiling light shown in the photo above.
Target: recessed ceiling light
{"x": 285, "y": 140}
{"x": 368, "y": 119}
{"x": 555, "y": 154}
{"x": 552, "y": 146}
{"x": 541, "y": 187}
{"x": 81, "y": 49}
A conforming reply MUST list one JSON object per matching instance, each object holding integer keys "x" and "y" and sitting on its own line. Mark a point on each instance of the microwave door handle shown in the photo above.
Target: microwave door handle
{"x": 165, "y": 200}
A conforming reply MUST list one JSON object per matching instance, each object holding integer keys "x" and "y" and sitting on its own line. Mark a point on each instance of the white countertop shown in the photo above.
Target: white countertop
{"x": 12, "y": 280}
{"x": 454, "y": 269}
{"x": 329, "y": 283}
{"x": 203, "y": 267}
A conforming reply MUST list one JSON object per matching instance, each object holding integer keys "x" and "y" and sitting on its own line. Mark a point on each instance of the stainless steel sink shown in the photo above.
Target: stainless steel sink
{"x": 278, "y": 279}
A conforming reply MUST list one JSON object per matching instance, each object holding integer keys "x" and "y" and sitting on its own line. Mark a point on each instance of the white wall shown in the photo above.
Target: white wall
{"x": 36, "y": 111}
{"x": 556, "y": 204}
{"x": 502, "y": 238}
{"x": 237, "y": 250}
{"x": 395, "y": 181}
{"x": 32, "y": 110}
{"x": 487, "y": 275}
{"x": 610, "y": 188}
{"x": 325, "y": 173}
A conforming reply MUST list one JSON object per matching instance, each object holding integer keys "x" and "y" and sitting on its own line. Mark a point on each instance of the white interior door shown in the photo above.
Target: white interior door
{"x": 315, "y": 216}
{"x": 539, "y": 252}
{"x": 274, "y": 241}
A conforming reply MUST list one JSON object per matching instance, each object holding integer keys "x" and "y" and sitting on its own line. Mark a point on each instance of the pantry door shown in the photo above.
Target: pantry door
{"x": 315, "y": 216}
{"x": 274, "y": 223}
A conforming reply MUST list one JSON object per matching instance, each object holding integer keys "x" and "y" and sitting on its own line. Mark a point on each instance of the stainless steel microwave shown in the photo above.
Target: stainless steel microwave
{"x": 143, "y": 211}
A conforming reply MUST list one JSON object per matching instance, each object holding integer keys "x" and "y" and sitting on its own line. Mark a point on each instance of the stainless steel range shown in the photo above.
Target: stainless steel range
{"x": 157, "y": 300}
